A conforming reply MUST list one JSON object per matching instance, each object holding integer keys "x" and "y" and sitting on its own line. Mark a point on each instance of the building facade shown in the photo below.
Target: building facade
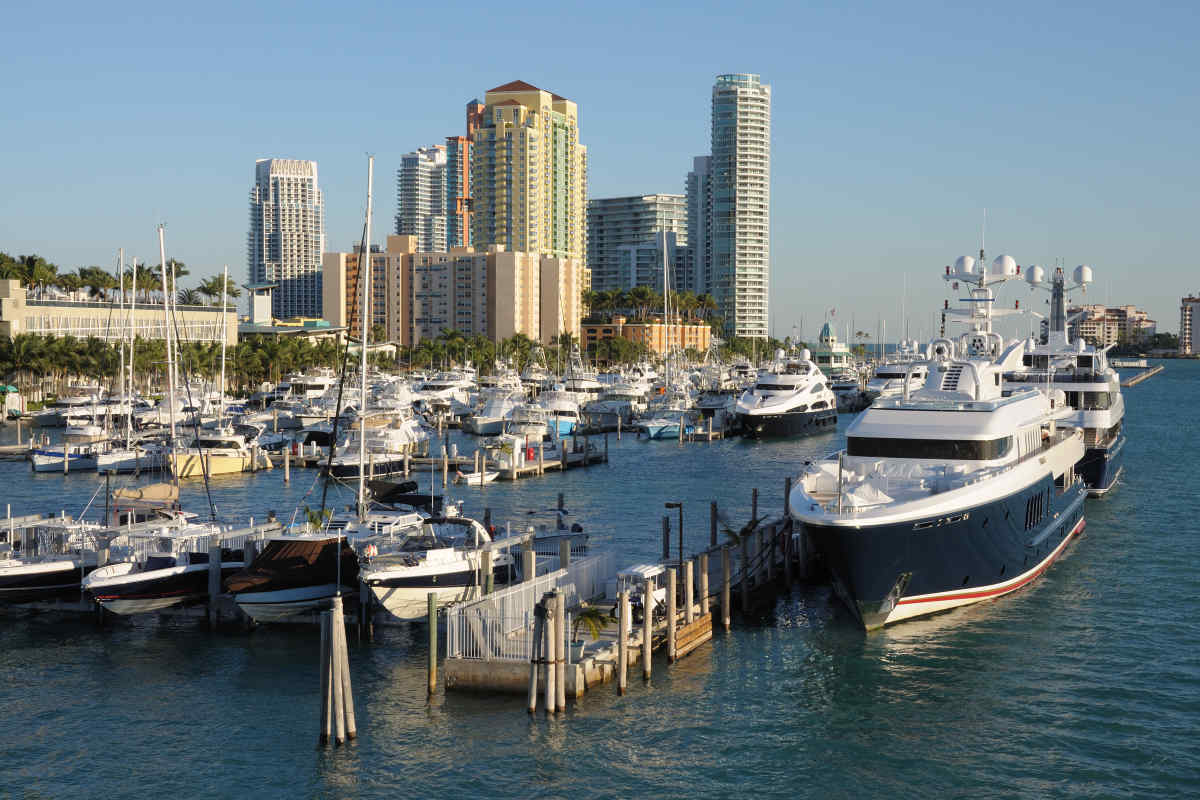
{"x": 287, "y": 235}
{"x": 658, "y": 337}
{"x": 622, "y": 230}
{"x": 1189, "y": 309}
{"x": 741, "y": 202}
{"x": 342, "y": 290}
{"x": 421, "y": 196}
{"x": 20, "y": 314}
{"x": 697, "y": 272}
{"x": 529, "y": 174}
{"x": 1106, "y": 325}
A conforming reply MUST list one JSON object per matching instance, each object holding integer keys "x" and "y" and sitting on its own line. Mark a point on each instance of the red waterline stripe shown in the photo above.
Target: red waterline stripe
{"x": 1003, "y": 590}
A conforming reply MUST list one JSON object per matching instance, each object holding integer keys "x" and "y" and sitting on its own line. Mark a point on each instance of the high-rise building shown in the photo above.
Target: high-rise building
{"x": 287, "y": 235}
{"x": 697, "y": 271}
{"x": 741, "y": 202}
{"x": 458, "y": 191}
{"x": 624, "y": 232}
{"x": 529, "y": 174}
{"x": 421, "y": 197}
{"x": 1189, "y": 313}
{"x": 492, "y": 293}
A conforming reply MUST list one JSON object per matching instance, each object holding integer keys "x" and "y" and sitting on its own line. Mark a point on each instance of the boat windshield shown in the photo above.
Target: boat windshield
{"x": 929, "y": 449}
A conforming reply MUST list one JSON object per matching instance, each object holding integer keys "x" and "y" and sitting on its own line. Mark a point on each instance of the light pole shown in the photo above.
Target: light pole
{"x": 680, "y": 507}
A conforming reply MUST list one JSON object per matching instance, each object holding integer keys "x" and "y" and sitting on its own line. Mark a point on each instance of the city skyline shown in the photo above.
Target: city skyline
{"x": 893, "y": 132}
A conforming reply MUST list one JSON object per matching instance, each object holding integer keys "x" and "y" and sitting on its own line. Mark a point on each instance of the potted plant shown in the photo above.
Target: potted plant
{"x": 591, "y": 617}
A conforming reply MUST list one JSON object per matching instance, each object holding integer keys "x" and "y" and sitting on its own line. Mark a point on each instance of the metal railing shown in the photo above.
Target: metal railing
{"x": 499, "y": 627}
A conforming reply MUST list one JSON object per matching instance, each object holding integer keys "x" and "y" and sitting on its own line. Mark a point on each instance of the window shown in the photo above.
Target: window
{"x": 937, "y": 449}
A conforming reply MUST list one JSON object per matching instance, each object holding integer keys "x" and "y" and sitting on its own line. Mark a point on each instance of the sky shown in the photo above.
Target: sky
{"x": 894, "y": 126}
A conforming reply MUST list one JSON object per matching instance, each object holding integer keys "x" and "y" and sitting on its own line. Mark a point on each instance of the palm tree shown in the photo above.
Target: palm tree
{"x": 641, "y": 298}
{"x": 189, "y": 297}
{"x": 37, "y": 272}
{"x": 706, "y": 305}
{"x": 211, "y": 288}
{"x": 97, "y": 280}
{"x": 69, "y": 282}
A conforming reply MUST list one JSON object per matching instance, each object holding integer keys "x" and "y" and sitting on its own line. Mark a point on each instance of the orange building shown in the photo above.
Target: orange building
{"x": 654, "y": 334}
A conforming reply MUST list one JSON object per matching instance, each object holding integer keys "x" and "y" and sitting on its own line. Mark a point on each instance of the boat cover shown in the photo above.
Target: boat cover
{"x": 291, "y": 563}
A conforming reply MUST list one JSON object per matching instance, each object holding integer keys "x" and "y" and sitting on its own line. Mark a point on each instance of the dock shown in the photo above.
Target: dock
{"x": 1141, "y": 376}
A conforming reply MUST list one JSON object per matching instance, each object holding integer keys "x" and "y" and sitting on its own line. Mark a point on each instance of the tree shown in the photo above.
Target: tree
{"x": 641, "y": 298}
{"x": 211, "y": 289}
{"x": 188, "y": 297}
{"x": 97, "y": 280}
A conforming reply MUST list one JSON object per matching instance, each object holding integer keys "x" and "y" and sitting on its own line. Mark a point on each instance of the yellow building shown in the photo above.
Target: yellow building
{"x": 654, "y": 334}
{"x": 529, "y": 175}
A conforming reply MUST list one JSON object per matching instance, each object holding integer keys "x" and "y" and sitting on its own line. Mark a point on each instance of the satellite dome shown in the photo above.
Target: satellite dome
{"x": 805, "y": 354}
{"x": 1035, "y": 274}
{"x": 1004, "y": 267}
{"x": 1083, "y": 274}
{"x": 964, "y": 265}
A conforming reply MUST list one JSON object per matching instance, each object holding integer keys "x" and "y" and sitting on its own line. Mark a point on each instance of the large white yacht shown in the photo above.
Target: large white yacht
{"x": 949, "y": 494}
{"x": 790, "y": 398}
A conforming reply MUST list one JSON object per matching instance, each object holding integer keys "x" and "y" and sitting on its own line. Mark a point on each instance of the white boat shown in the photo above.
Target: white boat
{"x": 496, "y": 406}
{"x": 393, "y": 435}
{"x": 220, "y": 452}
{"x": 80, "y": 457}
{"x": 790, "y": 398}
{"x": 562, "y": 411}
{"x": 476, "y": 478}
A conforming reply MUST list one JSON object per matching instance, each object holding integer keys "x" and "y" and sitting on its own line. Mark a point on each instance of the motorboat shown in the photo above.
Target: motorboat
{"x": 562, "y": 410}
{"x": 218, "y": 452}
{"x": 496, "y": 406}
{"x": 790, "y": 398}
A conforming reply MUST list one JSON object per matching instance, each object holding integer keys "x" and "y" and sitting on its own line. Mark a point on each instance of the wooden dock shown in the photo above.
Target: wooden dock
{"x": 1141, "y": 376}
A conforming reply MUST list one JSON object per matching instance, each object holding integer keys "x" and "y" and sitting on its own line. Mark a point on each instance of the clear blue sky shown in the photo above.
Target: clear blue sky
{"x": 895, "y": 125}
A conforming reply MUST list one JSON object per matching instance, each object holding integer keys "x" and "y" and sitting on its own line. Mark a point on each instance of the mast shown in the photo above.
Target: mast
{"x": 666, "y": 310}
{"x": 162, "y": 255}
{"x": 132, "y": 339}
{"x": 364, "y": 269}
{"x": 224, "y": 308}
{"x": 121, "y": 309}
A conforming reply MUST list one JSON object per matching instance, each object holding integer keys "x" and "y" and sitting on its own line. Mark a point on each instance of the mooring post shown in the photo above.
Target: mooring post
{"x": 754, "y": 504}
{"x": 528, "y": 562}
{"x": 712, "y": 524}
{"x": 666, "y": 534}
{"x": 214, "y": 580}
{"x": 564, "y": 553}
{"x": 287, "y": 465}
{"x": 771, "y": 535}
{"x": 622, "y": 640}
{"x": 681, "y": 429}
{"x": 326, "y": 729}
{"x": 787, "y": 497}
{"x": 485, "y": 567}
{"x": 689, "y": 582}
{"x": 535, "y": 654}
{"x": 726, "y": 578}
{"x": 703, "y": 584}
{"x": 647, "y": 625}
{"x": 744, "y": 583}
{"x": 560, "y": 649}
{"x": 562, "y": 502}
{"x": 445, "y": 467}
{"x": 618, "y": 428}
{"x": 550, "y": 650}
{"x": 541, "y": 466}
{"x": 563, "y": 442}
{"x": 339, "y": 638}
{"x": 671, "y": 615}
{"x": 431, "y": 617}
{"x": 335, "y": 676}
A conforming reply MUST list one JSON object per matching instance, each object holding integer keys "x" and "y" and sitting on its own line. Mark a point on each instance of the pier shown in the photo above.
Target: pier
{"x": 1141, "y": 376}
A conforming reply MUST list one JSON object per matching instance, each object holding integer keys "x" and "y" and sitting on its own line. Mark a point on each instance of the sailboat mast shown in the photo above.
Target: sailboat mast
{"x": 162, "y": 256}
{"x": 364, "y": 269}
{"x": 224, "y": 310}
{"x": 121, "y": 310}
{"x": 132, "y": 336}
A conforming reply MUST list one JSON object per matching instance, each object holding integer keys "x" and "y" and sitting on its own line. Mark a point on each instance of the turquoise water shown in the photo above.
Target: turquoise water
{"x": 1085, "y": 684}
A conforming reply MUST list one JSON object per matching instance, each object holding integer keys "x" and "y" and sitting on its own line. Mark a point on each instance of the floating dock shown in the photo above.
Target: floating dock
{"x": 1142, "y": 376}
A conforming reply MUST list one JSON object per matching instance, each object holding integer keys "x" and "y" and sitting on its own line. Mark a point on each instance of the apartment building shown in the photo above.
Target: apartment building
{"x": 287, "y": 235}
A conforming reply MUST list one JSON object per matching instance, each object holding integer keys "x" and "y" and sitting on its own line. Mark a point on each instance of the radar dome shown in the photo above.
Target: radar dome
{"x": 964, "y": 265}
{"x": 1035, "y": 274}
{"x": 1083, "y": 274}
{"x": 805, "y": 354}
{"x": 1004, "y": 266}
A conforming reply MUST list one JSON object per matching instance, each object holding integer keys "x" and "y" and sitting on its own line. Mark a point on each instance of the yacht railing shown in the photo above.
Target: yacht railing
{"x": 499, "y": 627}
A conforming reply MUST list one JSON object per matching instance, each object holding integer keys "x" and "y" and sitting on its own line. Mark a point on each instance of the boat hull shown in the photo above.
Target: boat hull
{"x": 52, "y": 461}
{"x": 390, "y": 465}
{"x": 791, "y": 423}
{"x": 282, "y": 604}
{"x": 148, "y": 591}
{"x": 1100, "y": 467}
{"x": 891, "y": 572}
{"x": 40, "y": 581}
{"x": 406, "y": 599}
{"x": 193, "y": 465}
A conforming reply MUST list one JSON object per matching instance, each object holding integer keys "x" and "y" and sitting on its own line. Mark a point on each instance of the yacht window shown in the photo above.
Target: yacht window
{"x": 159, "y": 562}
{"x": 212, "y": 444}
{"x": 819, "y": 404}
{"x": 817, "y": 388}
{"x": 935, "y": 449}
{"x": 1097, "y": 401}
{"x": 774, "y": 387}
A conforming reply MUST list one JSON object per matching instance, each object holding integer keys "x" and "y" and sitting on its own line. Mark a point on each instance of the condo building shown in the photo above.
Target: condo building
{"x": 626, "y": 245}
{"x": 421, "y": 196}
{"x": 287, "y": 235}
{"x": 342, "y": 289}
{"x": 741, "y": 202}
{"x": 1189, "y": 309}
{"x": 697, "y": 270}
{"x": 1107, "y": 325}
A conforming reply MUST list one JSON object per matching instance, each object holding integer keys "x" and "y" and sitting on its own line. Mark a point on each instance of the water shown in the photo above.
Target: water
{"x": 1086, "y": 684}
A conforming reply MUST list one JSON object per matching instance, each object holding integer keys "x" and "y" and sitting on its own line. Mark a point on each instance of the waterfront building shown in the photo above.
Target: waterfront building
{"x": 529, "y": 174}
{"x": 697, "y": 271}
{"x": 741, "y": 202}
{"x": 493, "y": 293}
{"x": 1188, "y": 308}
{"x": 422, "y": 196}
{"x": 1107, "y": 325}
{"x": 659, "y": 337}
{"x": 625, "y": 231}
{"x": 287, "y": 235}
{"x": 21, "y": 314}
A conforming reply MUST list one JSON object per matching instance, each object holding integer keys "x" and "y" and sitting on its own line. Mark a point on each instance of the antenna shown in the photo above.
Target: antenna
{"x": 983, "y": 236}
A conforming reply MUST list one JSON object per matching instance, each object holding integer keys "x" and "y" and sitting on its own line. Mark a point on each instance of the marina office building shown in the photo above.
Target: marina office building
{"x": 493, "y": 293}
{"x": 81, "y": 319}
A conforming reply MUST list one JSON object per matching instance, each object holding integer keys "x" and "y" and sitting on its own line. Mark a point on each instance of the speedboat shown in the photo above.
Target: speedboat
{"x": 791, "y": 398}
{"x": 562, "y": 410}
{"x": 496, "y": 407}
{"x": 47, "y": 560}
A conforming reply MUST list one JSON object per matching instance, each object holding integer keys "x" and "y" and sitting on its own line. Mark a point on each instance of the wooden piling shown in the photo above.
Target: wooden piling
{"x": 726, "y": 578}
{"x": 647, "y": 625}
{"x": 670, "y": 615}
{"x": 431, "y": 617}
{"x": 771, "y": 535}
{"x": 326, "y": 728}
{"x": 562, "y": 502}
{"x": 339, "y": 639}
{"x": 335, "y": 678}
{"x": 703, "y": 584}
{"x": 681, "y": 429}
{"x": 622, "y": 641}
{"x": 744, "y": 583}
{"x": 712, "y": 524}
{"x": 551, "y": 697}
{"x": 787, "y": 497}
{"x": 689, "y": 598}
{"x": 564, "y": 553}
{"x": 214, "y": 580}
{"x": 754, "y": 504}
{"x": 563, "y": 442}
{"x": 618, "y": 429}
{"x": 535, "y": 655}
{"x": 560, "y": 649}
{"x": 541, "y": 466}
{"x": 528, "y": 564}
{"x": 445, "y": 467}
{"x": 287, "y": 465}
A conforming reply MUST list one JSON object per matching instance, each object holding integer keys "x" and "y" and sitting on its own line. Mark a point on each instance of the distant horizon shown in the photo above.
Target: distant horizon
{"x": 892, "y": 131}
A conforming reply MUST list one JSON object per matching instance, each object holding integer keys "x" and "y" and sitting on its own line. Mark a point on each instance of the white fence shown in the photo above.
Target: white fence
{"x": 499, "y": 627}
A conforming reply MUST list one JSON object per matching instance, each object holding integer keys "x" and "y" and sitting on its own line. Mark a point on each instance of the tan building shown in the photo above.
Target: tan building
{"x": 1189, "y": 313}
{"x": 341, "y": 292}
{"x": 493, "y": 293}
{"x": 20, "y": 314}
{"x": 1104, "y": 325}
{"x": 654, "y": 334}
{"x": 529, "y": 174}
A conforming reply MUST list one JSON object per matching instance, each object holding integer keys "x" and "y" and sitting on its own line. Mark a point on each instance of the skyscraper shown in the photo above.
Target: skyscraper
{"x": 421, "y": 197}
{"x": 741, "y": 202}
{"x": 287, "y": 235}
{"x": 698, "y": 266}
{"x": 529, "y": 174}
{"x": 1189, "y": 315}
{"x": 618, "y": 226}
